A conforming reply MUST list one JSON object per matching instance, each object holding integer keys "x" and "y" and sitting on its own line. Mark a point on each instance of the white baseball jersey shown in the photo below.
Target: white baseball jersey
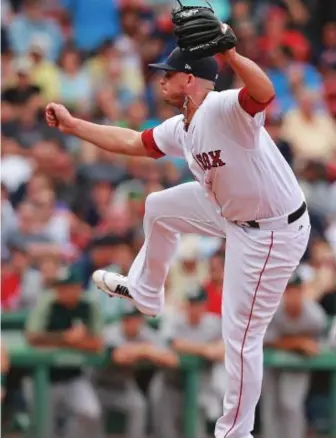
{"x": 232, "y": 156}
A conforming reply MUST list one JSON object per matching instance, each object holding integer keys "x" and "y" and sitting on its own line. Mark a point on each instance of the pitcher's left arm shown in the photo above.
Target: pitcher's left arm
{"x": 257, "y": 83}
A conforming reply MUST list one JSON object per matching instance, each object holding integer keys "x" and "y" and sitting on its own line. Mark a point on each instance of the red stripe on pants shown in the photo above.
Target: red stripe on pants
{"x": 245, "y": 336}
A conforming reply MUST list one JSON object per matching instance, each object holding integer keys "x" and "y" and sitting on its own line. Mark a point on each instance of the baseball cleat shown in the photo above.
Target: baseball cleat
{"x": 112, "y": 284}
{"x": 115, "y": 285}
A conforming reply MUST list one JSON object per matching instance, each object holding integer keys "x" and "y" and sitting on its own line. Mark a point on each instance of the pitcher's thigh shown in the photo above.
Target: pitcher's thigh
{"x": 187, "y": 208}
{"x": 258, "y": 265}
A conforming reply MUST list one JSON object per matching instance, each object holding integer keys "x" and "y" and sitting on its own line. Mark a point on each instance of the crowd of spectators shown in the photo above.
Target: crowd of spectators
{"x": 65, "y": 202}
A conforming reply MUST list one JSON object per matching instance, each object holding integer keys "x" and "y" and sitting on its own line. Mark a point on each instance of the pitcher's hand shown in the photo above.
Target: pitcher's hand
{"x": 57, "y": 116}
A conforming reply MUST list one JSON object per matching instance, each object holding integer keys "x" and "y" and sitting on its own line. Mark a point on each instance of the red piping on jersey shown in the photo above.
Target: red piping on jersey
{"x": 245, "y": 336}
{"x": 250, "y": 105}
{"x": 150, "y": 145}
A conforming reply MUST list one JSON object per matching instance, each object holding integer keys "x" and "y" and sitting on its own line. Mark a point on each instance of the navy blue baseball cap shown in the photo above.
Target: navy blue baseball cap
{"x": 205, "y": 68}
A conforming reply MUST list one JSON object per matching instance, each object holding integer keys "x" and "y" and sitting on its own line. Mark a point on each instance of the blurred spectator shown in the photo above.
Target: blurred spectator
{"x": 21, "y": 285}
{"x": 320, "y": 274}
{"x": 310, "y": 131}
{"x": 189, "y": 270}
{"x": 102, "y": 252}
{"x": 317, "y": 189}
{"x": 214, "y": 286}
{"x": 193, "y": 332}
{"x": 49, "y": 268}
{"x": 54, "y": 222}
{"x": 75, "y": 86}
{"x": 93, "y": 23}
{"x": 44, "y": 73}
{"x": 64, "y": 318}
{"x": 273, "y": 124}
{"x": 31, "y": 26}
{"x": 30, "y": 191}
{"x": 332, "y": 336}
{"x": 27, "y": 128}
{"x": 330, "y": 91}
{"x": 21, "y": 89}
{"x": 328, "y": 56}
{"x": 296, "y": 327}
{"x": 131, "y": 342}
{"x": 288, "y": 76}
{"x": 118, "y": 68}
{"x": 136, "y": 116}
{"x": 8, "y": 221}
{"x": 277, "y": 34}
{"x": 100, "y": 201}
{"x": 29, "y": 233}
{"x": 4, "y": 369}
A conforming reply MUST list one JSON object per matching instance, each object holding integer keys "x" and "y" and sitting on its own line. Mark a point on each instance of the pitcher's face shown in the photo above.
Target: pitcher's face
{"x": 173, "y": 88}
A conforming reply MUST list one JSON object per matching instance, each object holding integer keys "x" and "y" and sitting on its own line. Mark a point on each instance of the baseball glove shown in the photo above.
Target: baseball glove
{"x": 200, "y": 33}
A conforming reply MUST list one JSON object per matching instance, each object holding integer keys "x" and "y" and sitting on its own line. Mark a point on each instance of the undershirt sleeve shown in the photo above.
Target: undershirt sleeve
{"x": 250, "y": 105}
{"x": 151, "y": 147}
{"x": 164, "y": 139}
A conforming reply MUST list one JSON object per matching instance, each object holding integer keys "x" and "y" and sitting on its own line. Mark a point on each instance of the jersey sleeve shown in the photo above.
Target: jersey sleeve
{"x": 240, "y": 117}
{"x": 164, "y": 139}
{"x": 240, "y": 108}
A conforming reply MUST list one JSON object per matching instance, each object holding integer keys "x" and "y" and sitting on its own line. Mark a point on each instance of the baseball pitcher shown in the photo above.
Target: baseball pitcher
{"x": 243, "y": 189}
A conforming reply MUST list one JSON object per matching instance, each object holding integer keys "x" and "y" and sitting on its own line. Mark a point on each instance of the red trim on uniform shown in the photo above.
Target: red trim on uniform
{"x": 250, "y": 105}
{"x": 151, "y": 147}
{"x": 245, "y": 336}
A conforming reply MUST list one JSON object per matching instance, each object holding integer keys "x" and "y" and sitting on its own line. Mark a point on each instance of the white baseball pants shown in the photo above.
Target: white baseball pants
{"x": 258, "y": 265}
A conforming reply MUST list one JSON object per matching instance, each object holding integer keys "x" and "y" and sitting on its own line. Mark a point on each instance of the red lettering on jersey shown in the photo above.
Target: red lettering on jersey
{"x": 216, "y": 159}
{"x": 200, "y": 161}
{"x": 207, "y": 160}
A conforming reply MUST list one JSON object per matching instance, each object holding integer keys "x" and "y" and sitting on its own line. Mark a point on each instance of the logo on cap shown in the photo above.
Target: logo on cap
{"x": 187, "y": 67}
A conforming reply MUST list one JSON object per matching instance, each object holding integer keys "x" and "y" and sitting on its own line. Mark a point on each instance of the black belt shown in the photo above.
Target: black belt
{"x": 291, "y": 217}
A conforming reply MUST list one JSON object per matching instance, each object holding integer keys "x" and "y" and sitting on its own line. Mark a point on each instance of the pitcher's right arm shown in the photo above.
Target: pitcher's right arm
{"x": 111, "y": 138}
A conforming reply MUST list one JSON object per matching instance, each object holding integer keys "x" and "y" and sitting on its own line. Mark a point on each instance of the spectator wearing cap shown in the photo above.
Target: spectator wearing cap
{"x": 65, "y": 318}
{"x": 131, "y": 342}
{"x": 198, "y": 333}
{"x": 297, "y": 327}
{"x": 30, "y": 25}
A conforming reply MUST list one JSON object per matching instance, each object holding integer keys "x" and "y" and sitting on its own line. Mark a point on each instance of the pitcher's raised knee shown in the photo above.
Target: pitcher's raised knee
{"x": 154, "y": 206}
